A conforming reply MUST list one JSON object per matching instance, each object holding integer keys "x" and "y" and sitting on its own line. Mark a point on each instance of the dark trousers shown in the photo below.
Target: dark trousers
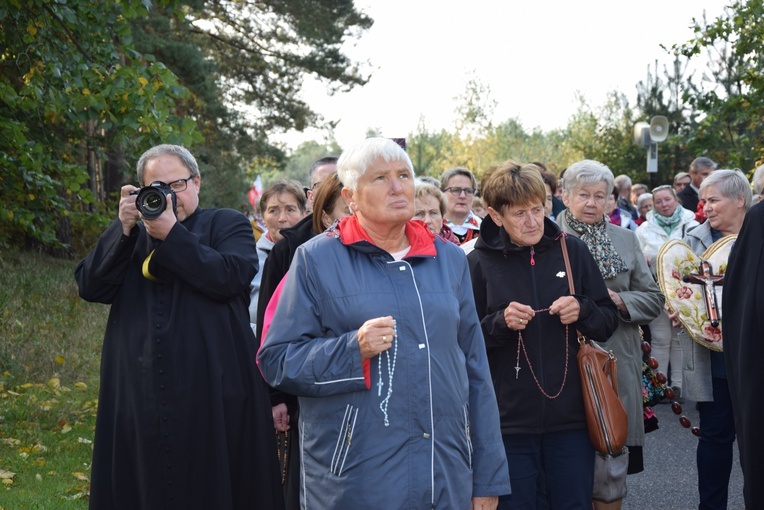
{"x": 564, "y": 459}
{"x": 717, "y": 435}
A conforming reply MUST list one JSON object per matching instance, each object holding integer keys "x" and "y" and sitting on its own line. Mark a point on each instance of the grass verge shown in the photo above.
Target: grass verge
{"x": 49, "y": 361}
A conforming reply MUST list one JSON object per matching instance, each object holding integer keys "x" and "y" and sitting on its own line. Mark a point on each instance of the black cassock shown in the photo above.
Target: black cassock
{"x": 184, "y": 420}
{"x": 743, "y": 326}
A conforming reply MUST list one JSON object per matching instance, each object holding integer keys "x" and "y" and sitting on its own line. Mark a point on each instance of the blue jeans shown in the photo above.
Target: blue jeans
{"x": 714, "y": 455}
{"x": 564, "y": 459}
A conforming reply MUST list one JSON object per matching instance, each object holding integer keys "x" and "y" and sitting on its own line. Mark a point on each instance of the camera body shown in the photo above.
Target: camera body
{"x": 152, "y": 200}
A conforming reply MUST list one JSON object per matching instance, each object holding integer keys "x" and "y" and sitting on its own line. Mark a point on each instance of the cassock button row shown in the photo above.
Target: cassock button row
{"x": 158, "y": 326}
{"x": 161, "y": 386}
{"x": 161, "y": 313}
{"x": 161, "y": 371}
{"x": 159, "y": 340}
{"x": 159, "y": 355}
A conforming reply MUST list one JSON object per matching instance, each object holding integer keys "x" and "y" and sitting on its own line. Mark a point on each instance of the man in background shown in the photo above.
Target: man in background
{"x": 318, "y": 170}
{"x": 681, "y": 181}
{"x": 699, "y": 170}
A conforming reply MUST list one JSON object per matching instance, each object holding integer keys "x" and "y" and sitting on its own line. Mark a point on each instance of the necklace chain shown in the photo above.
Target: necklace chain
{"x": 521, "y": 345}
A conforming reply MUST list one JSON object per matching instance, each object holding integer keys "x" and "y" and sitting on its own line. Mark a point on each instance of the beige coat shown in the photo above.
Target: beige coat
{"x": 644, "y": 301}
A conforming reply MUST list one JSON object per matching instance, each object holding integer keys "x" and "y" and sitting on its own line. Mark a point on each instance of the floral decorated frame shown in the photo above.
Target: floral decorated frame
{"x": 676, "y": 259}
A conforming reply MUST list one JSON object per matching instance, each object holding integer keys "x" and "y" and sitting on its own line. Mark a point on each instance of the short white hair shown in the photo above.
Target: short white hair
{"x": 355, "y": 161}
{"x": 730, "y": 183}
{"x": 644, "y": 197}
{"x": 585, "y": 172}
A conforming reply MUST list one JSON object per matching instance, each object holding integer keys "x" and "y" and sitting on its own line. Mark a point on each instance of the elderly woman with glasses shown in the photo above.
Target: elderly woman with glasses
{"x": 726, "y": 195}
{"x": 529, "y": 320}
{"x": 459, "y": 186}
{"x": 587, "y": 185}
{"x": 667, "y": 220}
{"x": 376, "y": 333}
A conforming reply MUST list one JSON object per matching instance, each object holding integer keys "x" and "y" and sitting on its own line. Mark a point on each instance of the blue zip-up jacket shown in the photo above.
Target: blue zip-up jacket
{"x": 503, "y": 272}
{"x": 431, "y": 442}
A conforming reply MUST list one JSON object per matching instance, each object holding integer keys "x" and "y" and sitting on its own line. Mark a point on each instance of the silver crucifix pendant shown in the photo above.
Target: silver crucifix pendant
{"x": 517, "y": 371}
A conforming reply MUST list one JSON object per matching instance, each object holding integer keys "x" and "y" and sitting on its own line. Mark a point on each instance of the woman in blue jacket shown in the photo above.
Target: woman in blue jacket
{"x": 529, "y": 321}
{"x": 376, "y": 333}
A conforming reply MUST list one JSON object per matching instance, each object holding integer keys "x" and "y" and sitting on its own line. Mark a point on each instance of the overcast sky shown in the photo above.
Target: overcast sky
{"x": 534, "y": 55}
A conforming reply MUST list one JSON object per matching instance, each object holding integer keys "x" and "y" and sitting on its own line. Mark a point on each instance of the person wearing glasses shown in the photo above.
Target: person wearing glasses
{"x": 319, "y": 170}
{"x": 183, "y": 415}
{"x": 459, "y": 185}
{"x": 630, "y": 285}
{"x": 667, "y": 220}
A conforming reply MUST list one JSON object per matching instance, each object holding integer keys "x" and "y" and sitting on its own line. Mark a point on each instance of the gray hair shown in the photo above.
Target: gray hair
{"x": 585, "y": 172}
{"x": 426, "y": 189}
{"x": 643, "y": 198}
{"x": 680, "y": 175}
{"x": 622, "y": 181}
{"x": 758, "y": 180}
{"x": 161, "y": 150}
{"x": 457, "y": 171}
{"x": 730, "y": 183}
{"x": 702, "y": 162}
{"x": 355, "y": 161}
{"x": 428, "y": 179}
{"x": 639, "y": 185}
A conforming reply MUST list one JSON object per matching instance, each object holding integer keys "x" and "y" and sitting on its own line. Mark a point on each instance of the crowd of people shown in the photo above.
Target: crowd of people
{"x": 379, "y": 339}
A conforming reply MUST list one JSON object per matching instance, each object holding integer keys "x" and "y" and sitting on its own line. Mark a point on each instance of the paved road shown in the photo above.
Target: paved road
{"x": 670, "y": 478}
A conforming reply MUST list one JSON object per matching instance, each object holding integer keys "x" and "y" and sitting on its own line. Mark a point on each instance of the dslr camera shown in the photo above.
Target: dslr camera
{"x": 152, "y": 200}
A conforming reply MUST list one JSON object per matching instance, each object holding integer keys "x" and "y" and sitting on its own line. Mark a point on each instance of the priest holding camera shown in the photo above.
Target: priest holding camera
{"x": 184, "y": 417}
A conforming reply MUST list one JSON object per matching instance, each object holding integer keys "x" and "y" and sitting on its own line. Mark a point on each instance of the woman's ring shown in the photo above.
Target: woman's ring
{"x": 384, "y": 338}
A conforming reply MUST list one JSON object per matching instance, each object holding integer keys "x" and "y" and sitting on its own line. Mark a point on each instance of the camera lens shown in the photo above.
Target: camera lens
{"x": 151, "y": 202}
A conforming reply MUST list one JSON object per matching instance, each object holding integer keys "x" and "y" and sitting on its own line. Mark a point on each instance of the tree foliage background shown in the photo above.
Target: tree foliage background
{"x": 86, "y": 87}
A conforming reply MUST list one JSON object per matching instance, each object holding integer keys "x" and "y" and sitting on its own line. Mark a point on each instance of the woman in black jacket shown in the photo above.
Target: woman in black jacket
{"x": 529, "y": 321}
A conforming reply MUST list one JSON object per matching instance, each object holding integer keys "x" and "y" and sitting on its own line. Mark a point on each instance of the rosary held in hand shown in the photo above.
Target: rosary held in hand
{"x": 521, "y": 345}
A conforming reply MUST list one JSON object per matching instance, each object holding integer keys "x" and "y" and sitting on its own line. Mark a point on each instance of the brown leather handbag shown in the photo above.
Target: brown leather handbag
{"x": 605, "y": 414}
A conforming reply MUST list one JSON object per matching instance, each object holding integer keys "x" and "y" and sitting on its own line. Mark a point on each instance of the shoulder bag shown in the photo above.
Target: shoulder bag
{"x": 605, "y": 415}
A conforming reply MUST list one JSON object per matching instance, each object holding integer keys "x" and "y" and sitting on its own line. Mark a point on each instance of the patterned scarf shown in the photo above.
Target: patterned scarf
{"x": 669, "y": 223}
{"x": 599, "y": 244}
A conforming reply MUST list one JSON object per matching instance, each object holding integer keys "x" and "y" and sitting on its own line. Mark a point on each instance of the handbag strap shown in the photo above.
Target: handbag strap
{"x": 569, "y": 273}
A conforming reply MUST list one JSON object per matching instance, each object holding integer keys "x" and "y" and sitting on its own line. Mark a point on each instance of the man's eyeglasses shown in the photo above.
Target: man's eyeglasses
{"x": 180, "y": 184}
{"x": 456, "y": 191}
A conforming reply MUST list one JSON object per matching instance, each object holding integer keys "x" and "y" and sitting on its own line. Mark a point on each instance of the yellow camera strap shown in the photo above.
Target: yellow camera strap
{"x": 146, "y": 273}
